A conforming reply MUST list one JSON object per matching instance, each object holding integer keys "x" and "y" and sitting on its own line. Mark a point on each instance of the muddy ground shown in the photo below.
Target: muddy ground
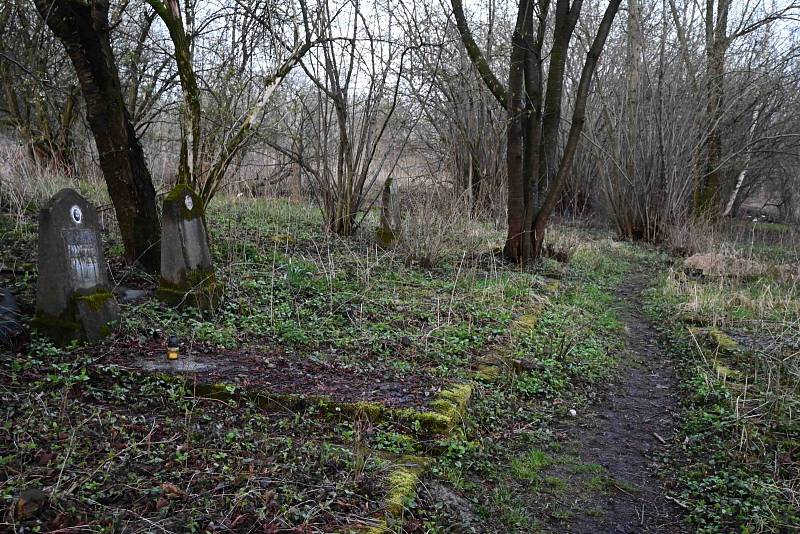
{"x": 626, "y": 432}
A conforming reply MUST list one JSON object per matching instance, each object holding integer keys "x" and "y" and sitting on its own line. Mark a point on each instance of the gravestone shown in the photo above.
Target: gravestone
{"x": 73, "y": 300}
{"x": 187, "y": 275}
{"x": 389, "y": 229}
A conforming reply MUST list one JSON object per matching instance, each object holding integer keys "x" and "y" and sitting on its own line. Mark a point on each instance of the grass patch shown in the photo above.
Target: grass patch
{"x": 740, "y": 398}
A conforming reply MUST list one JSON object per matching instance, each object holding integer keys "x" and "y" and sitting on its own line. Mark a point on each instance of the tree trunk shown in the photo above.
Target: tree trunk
{"x": 707, "y": 195}
{"x": 748, "y": 154}
{"x": 83, "y": 29}
{"x": 536, "y": 175}
{"x": 706, "y": 190}
{"x": 515, "y": 144}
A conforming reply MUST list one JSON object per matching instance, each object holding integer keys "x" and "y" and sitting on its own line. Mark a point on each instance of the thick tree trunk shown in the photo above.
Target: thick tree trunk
{"x": 707, "y": 201}
{"x": 536, "y": 175}
{"x": 707, "y": 194}
{"x": 515, "y": 144}
{"x": 83, "y": 29}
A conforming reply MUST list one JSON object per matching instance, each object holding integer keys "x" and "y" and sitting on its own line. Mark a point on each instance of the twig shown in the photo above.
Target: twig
{"x": 676, "y": 501}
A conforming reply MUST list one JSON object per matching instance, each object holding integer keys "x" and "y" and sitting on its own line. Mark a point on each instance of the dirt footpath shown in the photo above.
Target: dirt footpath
{"x": 624, "y": 432}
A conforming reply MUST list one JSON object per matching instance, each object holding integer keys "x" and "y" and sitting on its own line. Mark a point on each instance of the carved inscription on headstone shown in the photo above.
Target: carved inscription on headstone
{"x": 82, "y": 256}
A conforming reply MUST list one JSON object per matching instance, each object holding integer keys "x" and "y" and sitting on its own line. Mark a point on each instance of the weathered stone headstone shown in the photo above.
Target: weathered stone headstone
{"x": 187, "y": 275}
{"x": 389, "y": 229}
{"x": 73, "y": 300}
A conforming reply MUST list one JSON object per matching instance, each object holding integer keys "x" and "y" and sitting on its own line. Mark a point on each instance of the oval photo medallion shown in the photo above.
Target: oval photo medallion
{"x": 76, "y": 214}
{"x": 189, "y": 202}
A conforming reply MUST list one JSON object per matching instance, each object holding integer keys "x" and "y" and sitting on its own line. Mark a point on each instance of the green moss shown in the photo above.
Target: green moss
{"x": 282, "y": 239}
{"x": 385, "y": 237}
{"x": 373, "y": 410}
{"x": 200, "y": 290}
{"x": 403, "y": 481}
{"x": 67, "y": 327}
{"x": 448, "y": 408}
{"x": 726, "y": 373}
{"x": 723, "y": 342}
{"x": 195, "y": 278}
{"x": 486, "y": 373}
{"x": 695, "y": 319}
{"x": 553, "y": 286}
{"x": 95, "y": 301}
{"x": 528, "y": 322}
{"x": 60, "y": 330}
{"x": 429, "y": 422}
{"x": 381, "y": 528}
{"x": 177, "y": 194}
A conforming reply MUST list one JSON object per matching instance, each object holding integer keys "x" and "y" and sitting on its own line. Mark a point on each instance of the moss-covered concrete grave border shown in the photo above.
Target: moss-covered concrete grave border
{"x": 722, "y": 353}
{"x": 447, "y": 411}
{"x": 445, "y": 416}
{"x": 494, "y": 366}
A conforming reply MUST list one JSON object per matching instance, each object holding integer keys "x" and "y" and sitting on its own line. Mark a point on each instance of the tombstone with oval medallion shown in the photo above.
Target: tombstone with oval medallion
{"x": 73, "y": 298}
{"x": 187, "y": 274}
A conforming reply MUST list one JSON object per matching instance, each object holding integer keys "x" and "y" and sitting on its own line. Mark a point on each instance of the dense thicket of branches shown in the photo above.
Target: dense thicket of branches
{"x": 692, "y": 112}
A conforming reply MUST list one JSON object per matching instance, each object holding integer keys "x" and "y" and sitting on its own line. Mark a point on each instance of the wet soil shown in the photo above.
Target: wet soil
{"x": 274, "y": 370}
{"x": 625, "y": 433}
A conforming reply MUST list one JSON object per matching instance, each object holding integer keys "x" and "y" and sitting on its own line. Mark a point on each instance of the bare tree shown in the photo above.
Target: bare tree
{"x": 39, "y": 96}
{"x": 462, "y": 134}
{"x": 354, "y": 77}
{"x": 718, "y": 40}
{"x": 536, "y": 175}
{"x": 202, "y": 165}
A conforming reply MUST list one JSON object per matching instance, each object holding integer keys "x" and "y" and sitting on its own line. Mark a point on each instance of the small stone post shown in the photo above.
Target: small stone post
{"x": 389, "y": 229}
{"x": 187, "y": 275}
{"x": 73, "y": 297}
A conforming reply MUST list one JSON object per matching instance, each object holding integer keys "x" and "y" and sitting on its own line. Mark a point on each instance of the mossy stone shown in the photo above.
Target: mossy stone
{"x": 73, "y": 297}
{"x": 96, "y": 300}
{"x": 187, "y": 274}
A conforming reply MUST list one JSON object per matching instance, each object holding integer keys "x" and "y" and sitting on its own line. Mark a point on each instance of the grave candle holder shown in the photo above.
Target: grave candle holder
{"x": 173, "y": 348}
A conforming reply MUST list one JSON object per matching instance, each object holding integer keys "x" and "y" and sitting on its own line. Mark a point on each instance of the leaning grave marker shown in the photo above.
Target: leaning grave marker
{"x": 73, "y": 298}
{"x": 187, "y": 275}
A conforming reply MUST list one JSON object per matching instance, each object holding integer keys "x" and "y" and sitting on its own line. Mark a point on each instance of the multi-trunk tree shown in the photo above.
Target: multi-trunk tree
{"x": 533, "y": 99}
{"x": 346, "y": 113}
{"x": 83, "y": 28}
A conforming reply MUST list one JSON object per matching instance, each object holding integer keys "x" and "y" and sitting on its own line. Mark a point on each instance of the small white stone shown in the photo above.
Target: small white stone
{"x": 572, "y": 412}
